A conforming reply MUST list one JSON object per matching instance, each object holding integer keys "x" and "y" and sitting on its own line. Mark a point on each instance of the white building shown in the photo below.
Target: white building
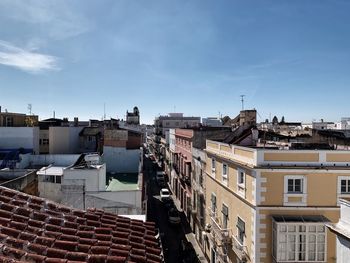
{"x": 84, "y": 184}
{"x": 342, "y": 231}
{"x": 174, "y": 120}
{"x": 211, "y": 122}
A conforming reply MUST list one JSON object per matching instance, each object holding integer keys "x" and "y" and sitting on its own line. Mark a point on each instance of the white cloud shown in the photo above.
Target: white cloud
{"x": 25, "y": 60}
{"x": 57, "y": 18}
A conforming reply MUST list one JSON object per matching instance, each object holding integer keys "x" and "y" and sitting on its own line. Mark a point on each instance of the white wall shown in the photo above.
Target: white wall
{"x": 50, "y": 191}
{"x": 343, "y": 250}
{"x": 47, "y": 159}
{"x": 121, "y": 160}
{"x": 64, "y": 140}
{"x": 19, "y": 137}
{"x": 94, "y": 178}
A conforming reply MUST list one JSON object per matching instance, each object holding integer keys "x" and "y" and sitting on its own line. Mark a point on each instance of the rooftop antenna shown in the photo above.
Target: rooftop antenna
{"x": 242, "y": 100}
{"x": 54, "y": 114}
{"x": 104, "y": 111}
{"x": 30, "y": 108}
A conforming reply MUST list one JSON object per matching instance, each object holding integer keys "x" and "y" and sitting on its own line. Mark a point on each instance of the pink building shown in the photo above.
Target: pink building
{"x": 182, "y": 165}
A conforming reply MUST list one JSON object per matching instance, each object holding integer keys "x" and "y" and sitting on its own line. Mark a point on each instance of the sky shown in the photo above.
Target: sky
{"x": 289, "y": 58}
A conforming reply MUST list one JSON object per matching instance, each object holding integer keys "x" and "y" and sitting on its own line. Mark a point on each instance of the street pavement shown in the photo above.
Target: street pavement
{"x": 175, "y": 247}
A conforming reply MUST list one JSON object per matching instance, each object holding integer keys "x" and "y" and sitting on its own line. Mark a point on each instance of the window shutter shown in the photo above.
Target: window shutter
{"x": 240, "y": 225}
{"x": 225, "y": 210}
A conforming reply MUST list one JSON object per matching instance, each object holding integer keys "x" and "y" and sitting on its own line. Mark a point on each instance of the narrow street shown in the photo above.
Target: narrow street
{"x": 172, "y": 236}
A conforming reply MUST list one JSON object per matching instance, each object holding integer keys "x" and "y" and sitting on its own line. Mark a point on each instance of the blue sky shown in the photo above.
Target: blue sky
{"x": 289, "y": 58}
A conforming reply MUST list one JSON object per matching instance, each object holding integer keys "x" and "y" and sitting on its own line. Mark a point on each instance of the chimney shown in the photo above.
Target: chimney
{"x": 76, "y": 121}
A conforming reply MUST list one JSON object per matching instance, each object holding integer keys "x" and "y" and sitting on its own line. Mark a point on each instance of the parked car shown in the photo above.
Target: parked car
{"x": 160, "y": 179}
{"x": 174, "y": 216}
{"x": 164, "y": 194}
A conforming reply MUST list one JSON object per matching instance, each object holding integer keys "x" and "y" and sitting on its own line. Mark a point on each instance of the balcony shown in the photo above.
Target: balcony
{"x": 239, "y": 249}
{"x": 221, "y": 235}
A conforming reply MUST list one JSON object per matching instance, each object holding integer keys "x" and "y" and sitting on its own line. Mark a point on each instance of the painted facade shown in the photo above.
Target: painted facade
{"x": 271, "y": 205}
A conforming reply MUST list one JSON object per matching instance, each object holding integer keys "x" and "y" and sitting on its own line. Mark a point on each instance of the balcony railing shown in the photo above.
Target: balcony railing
{"x": 221, "y": 235}
{"x": 239, "y": 249}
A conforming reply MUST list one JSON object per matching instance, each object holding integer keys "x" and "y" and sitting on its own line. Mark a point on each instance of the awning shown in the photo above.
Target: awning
{"x": 303, "y": 219}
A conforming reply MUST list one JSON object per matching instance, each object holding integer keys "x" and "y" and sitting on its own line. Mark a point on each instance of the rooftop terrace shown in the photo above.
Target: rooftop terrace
{"x": 122, "y": 181}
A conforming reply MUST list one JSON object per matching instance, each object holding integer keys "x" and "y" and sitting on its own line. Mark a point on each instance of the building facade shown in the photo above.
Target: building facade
{"x": 271, "y": 205}
{"x": 342, "y": 232}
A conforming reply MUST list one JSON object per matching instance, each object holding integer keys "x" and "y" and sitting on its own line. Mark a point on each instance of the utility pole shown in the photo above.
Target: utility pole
{"x": 242, "y": 100}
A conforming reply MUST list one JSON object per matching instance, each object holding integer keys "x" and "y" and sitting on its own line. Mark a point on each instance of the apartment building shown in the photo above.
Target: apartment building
{"x": 162, "y": 124}
{"x": 12, "y": 119}
{"x": 272, "y": 204}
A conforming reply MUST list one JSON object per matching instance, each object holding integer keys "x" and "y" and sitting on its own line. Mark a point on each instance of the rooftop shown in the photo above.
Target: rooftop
{"x": 34, "y": 229}
{"x": 122, "y": 181}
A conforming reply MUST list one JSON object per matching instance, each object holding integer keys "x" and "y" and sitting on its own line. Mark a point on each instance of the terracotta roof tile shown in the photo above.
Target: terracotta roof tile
{"x": 97, "y": 259}
{"x": 34, "y": 258}
{"x": 77, "y": 256}
{"x": 69, "y": 237}
{"x": 115, "y": 259}
{"x": 33, "y": 229}
{"x": 83, "y": 248}
{"x": 119, "y": 252}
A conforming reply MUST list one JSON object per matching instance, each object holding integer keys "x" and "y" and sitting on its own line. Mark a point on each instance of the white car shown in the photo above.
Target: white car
{"x": 164, "y": 194}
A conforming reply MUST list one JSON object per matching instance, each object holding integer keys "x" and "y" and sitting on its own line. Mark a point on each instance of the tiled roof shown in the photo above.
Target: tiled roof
{"x": 33, "y": 229}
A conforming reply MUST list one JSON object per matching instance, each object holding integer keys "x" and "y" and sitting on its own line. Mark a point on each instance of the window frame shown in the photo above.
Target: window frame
{"x": 341, "y": 194}
{"x": 213, "y": 167}
{"x": 241, "y": 186}
{"x": 212, "y": 198}
{"x": 224, "y": 177}
{"x": 293, "y": 231}
{"x": 240, "y": 233}
{"x": 225, "y": 217}
{"x": 302, "y": 195}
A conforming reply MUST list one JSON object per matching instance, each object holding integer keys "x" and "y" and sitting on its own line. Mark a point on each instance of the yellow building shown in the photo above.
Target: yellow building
{"x": 271, "y": 205}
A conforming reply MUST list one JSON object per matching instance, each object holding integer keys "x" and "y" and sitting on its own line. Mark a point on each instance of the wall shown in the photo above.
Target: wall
{"x": 47, "y": 159}
{"x": 21, "y": 182}
{"x": 64, "y": 140}
{"x": 94, "y": 179}
{"x": 44, "y": 134}
{"x": 343, "y": 250}
{"x": 51, "y": 191}
{"x": 121, "y": 160}
{"x": 19, "y": 137}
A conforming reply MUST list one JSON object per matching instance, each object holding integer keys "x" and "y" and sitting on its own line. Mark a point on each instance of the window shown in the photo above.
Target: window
{"x": 224, "y": 216}
{"x": 45, "y": 141}
{"x": 213, "y": 167}
{"x": 201, "y": 178}
{"x": 299, "y": 242}
{"x": 241, "y": 177}
{"x": 241, "y": 182}
{"x": 213, "y": 203}
{"x": 58, "y": 179}
{"x": 40, "y": 141}
{"x": 295, "y": 185}
{"x": 224, "y": 174}
{"x": 240, "y": 230}
{"x": 345, "y": 185}
{"x": 9, "y": 121}
{"x": 295, "y": 190}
